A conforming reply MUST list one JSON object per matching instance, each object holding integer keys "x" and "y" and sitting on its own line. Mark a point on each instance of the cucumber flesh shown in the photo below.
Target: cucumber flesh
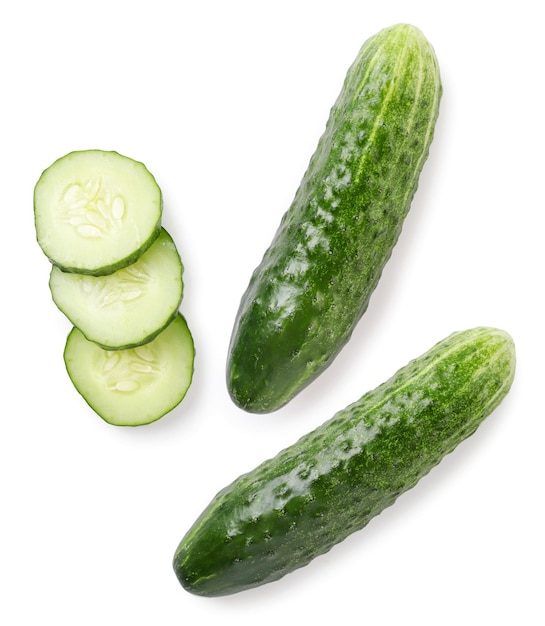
{"x": 128, "y": 307}
{"x": 135, "y": 386}
{"x": 96, "y": 211}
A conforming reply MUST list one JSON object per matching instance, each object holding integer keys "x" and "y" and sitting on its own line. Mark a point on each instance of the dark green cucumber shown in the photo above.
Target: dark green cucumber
{"x": 334, "y": 480}
{"x": 315, "y": 280}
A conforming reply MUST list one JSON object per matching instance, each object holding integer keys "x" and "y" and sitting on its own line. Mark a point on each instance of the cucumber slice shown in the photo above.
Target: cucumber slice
{"x": 135, "y": 386}
{"x": 96, "y": 211}
{"x": 129, "y": 307}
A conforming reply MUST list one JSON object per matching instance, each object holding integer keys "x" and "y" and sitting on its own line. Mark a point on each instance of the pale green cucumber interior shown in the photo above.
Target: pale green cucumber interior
{"x": 96, "y": 211}
{"x": 135, "y": 386}
{"x": 129, "y": 306}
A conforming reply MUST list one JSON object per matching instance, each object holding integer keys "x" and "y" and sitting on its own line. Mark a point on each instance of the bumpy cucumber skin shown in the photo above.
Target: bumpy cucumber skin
{"x": 334, "y": 480}
{"x": 315, "y": 280}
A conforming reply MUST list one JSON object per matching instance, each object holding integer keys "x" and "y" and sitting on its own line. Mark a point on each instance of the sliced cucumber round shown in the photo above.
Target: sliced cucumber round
{"x": 128, "y": 307}
{"x": 96, "y": 211}
{"x": 135, "y": 386}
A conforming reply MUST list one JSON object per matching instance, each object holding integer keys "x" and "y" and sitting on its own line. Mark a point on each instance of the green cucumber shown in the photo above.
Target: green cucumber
{"x": 135, "y": 386}
{"x": 96, "y": 211}
{"x": 316, "y": 278}
{"x": 128, "y": 307}
{"x": 334, "y": 480}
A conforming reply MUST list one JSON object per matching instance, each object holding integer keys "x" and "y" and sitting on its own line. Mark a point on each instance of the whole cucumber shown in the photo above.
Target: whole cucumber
{"x": 315, "y": 280}
{"x": 334, "y": 480}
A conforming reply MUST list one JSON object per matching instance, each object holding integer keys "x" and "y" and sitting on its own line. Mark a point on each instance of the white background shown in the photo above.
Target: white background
{"x": 224, "y": 102}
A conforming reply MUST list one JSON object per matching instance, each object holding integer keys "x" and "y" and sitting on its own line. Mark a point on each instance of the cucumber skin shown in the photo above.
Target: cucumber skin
{"x": 334, "y": 480}
{"x": 315, "y": 280}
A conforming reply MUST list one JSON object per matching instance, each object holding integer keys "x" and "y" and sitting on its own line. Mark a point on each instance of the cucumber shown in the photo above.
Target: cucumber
{"x": 135, "y": 386}
{"x": 128, "y": 307}
{"x": 316, "y": 278}
{"x": 96, "y": 211}
{"x": 334, "y": 480}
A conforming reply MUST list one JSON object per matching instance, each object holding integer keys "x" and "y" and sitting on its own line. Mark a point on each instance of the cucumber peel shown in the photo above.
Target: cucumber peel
{"x": 296, "y": 506}
{"x": 316, "y": 278}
